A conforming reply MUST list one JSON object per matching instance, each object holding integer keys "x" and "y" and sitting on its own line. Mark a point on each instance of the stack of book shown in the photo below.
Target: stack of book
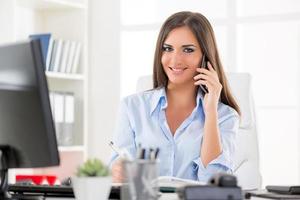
{"x": 62, "y": 107}
{"x": 59, "y": 55}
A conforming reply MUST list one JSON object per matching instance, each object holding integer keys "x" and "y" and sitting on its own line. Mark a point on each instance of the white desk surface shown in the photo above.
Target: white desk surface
{"x": 165, "y": 196}
{"x": 173, "y": 196}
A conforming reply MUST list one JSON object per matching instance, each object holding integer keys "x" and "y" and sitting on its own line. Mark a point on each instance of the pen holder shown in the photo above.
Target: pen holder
{"x": 141, "y": 176}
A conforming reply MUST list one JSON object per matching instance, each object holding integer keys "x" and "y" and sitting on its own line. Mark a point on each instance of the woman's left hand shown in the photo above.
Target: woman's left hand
{"x": 210, "y": 79}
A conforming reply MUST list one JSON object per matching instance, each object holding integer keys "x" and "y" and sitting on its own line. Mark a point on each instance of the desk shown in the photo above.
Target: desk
{"x": 165, "y": 196}
{"x": 174, "y": 196}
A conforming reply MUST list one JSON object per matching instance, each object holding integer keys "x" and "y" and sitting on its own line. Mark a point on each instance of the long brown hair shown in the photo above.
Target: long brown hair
{"x": 204, "y": 33}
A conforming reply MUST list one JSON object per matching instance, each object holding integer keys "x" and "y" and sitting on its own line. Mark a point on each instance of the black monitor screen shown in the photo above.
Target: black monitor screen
{"x": 27, "y": 134}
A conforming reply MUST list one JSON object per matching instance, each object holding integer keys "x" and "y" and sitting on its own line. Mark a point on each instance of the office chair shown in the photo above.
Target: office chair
{"x": 246, "y": 160}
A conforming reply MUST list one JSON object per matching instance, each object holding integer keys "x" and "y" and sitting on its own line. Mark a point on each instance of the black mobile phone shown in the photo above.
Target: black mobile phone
{"x": 203, "y": 64}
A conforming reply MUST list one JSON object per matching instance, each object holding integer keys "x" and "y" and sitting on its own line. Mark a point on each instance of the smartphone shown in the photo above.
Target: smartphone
{"x": 203, "y": 64}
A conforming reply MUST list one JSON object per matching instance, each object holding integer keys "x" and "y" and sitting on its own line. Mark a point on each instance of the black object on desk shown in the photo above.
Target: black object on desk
{"x": 44, "y": 190}
{"x": 52, "y": 191}
{"x": 276, "y": 192}
{"x": 269, "y": 195}
{"x": 220, "y": 186}
{"x": 208, "y": 192}
{"x": 283, "y": 189}
{"x": 25, "y": 111}
{"x": 223, "y": 180}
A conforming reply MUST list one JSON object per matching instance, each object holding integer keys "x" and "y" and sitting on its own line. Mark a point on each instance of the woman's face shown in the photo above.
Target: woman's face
{"x": 181, "y": 56}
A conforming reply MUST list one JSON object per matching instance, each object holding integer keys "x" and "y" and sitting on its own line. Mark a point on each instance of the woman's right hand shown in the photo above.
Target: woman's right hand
{"x": 117, "y": 171}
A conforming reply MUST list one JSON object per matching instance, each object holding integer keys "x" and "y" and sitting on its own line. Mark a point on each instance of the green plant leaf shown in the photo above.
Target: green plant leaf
{"x": 92, "y": 167}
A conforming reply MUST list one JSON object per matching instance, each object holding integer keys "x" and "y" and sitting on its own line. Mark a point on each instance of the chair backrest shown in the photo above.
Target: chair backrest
{"x": 246, "y": 166}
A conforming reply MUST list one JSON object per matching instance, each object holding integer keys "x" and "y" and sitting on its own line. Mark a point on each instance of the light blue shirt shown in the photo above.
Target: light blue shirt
{"x": 142, "y": 120}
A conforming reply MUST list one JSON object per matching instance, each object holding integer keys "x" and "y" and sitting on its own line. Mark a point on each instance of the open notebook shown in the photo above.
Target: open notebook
{"x": 170, "y": 183}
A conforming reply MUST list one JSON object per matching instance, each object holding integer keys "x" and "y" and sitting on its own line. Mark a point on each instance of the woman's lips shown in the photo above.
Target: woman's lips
{"x": 177, "y": 71}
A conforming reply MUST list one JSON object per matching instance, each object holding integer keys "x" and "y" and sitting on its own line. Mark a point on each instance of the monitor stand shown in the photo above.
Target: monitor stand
{"x": 4, "y": 194}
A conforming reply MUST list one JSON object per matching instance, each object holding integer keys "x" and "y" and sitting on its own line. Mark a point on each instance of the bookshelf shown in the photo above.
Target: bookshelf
{"x": 64, "y": 76}
{"x": 65, "y": 20}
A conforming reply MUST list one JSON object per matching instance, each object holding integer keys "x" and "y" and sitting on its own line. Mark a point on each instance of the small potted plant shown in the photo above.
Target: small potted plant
{"x": 92, "y": 181}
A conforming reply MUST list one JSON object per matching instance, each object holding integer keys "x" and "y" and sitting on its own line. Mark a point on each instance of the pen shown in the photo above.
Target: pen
{"x": 156, "y": 153}
{"x": 141, "y": 152}
{"x": 151, "y": 155}
{"x": 115, "y": 148}
{"x": 138, "y": 151}
{"x": 121, "y": 152}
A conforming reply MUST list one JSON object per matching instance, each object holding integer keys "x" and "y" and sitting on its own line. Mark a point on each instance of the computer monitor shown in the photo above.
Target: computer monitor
{"x": 27, "y": 133}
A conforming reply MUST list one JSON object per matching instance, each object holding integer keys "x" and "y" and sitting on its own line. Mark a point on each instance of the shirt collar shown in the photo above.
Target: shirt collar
{"x": 200, "y": 96}
{"x": 160, "y": 97}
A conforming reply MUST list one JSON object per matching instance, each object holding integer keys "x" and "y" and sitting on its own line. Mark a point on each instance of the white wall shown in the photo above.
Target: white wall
{"x": 7, "y": 21}
{"x": 104, "y": 74}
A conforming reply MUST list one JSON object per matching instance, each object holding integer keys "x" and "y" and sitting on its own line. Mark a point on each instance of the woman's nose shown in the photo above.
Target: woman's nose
{"x": 176, "y": 59}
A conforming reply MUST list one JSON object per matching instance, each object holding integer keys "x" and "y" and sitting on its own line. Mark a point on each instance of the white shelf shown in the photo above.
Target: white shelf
{"x": 52, "y": 4}
{"x": 71, "y": 148}
{"x": 24, "y": 17}
{"x": 64, "y": 76}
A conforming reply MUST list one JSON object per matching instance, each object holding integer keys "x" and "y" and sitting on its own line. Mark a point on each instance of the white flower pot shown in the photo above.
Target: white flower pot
{"x": 91, "y": 188}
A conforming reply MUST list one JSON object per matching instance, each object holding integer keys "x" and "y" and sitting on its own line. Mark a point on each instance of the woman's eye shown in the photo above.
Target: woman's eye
{"x": 167, "y": 49}
{"x": 188, "y": 50}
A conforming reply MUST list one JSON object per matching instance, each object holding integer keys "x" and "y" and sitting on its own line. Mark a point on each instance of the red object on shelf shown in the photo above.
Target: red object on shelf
{"x": 37, "y": 179}
{"x": 51, "y": 179}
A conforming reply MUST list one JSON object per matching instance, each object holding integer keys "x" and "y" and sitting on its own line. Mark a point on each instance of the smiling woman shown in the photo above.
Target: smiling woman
{"x": 181, "y": 56}
{"x": 194, "y": 130}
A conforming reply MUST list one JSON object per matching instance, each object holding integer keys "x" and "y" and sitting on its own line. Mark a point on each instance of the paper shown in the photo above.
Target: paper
{"x": 174, "y": 182}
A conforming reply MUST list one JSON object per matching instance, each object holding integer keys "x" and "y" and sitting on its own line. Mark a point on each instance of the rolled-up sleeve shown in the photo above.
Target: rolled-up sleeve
{"x": 228, "y": 126}
{"x": 124, "y": 134}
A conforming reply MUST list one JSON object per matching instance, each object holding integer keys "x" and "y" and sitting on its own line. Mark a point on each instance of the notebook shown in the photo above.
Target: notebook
{"x": 170, "y": 183}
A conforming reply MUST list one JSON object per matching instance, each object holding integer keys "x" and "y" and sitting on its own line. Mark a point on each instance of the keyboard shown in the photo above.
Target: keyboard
{"x": 45, "y": 190}
{"x": 53, "y": 191}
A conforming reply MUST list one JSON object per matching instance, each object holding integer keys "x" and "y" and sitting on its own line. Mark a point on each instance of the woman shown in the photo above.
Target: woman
{"x": 195, "y": 130}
